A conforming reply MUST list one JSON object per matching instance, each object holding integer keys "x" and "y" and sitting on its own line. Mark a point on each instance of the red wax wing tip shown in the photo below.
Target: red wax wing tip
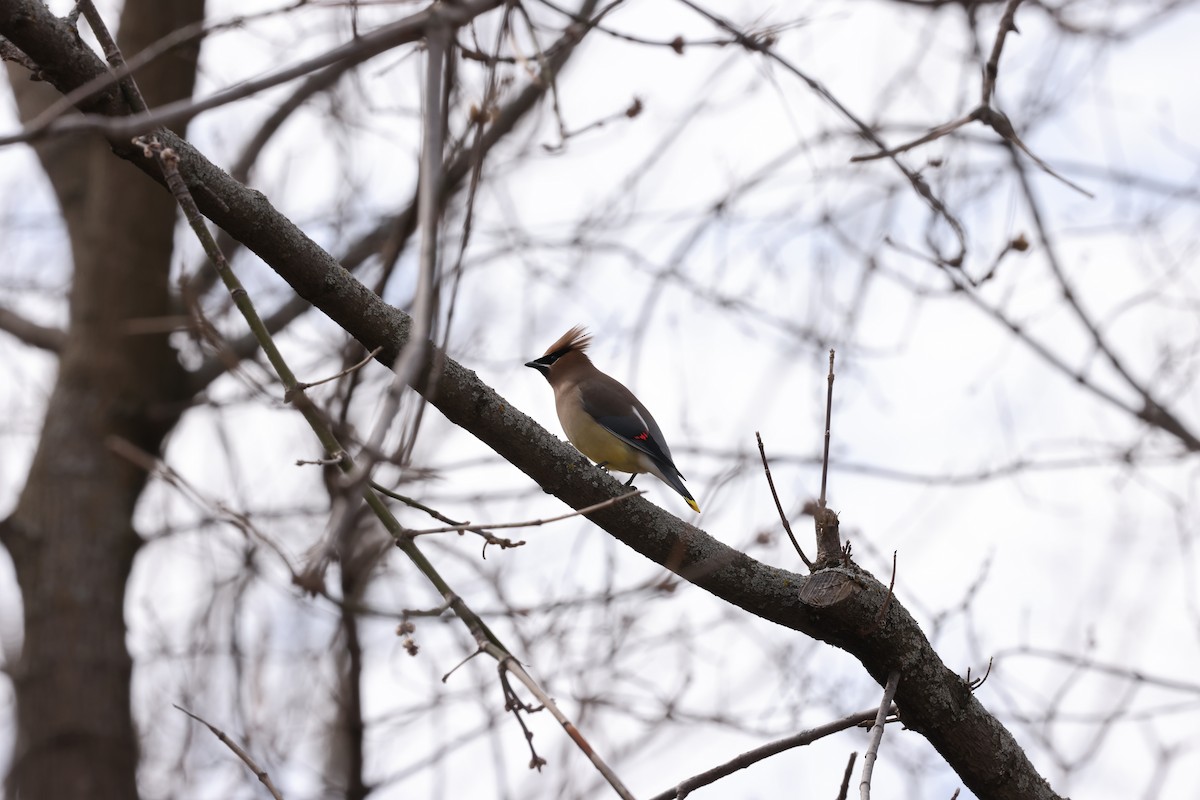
{"x": 643, "y": 436}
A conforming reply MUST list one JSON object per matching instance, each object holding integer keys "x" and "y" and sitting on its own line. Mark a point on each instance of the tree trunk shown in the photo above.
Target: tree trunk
{"x": 71, "y": 535}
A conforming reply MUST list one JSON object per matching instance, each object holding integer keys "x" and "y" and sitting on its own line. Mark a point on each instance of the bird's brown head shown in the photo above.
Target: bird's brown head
{"x": 568, "y": 350}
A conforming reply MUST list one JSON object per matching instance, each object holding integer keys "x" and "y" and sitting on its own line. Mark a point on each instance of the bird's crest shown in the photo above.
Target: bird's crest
{"x": 577, "y": 339}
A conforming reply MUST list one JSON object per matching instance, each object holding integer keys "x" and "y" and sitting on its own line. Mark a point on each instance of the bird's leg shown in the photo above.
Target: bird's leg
{"x": 604, "y": 466}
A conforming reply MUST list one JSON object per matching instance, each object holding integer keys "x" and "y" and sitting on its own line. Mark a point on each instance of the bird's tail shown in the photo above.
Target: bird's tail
{"x": 671, "y": 476}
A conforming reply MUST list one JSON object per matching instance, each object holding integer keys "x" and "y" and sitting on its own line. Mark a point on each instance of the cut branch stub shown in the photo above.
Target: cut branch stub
{"x": 827, "y": 588}
{"x": 829, "y": 545}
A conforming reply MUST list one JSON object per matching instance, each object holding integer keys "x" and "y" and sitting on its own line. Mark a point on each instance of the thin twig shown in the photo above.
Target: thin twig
{"x": 1127, "y": 673}
{"x": 991, "y": 70}
{"x": 1154, "y": 415}
{"x": 844, "y": 791}
{"x": 828, "y": 423}
{"x": 763, "y": 45}
{"x": 412, "y": 503}
{"x": 750, "y": 757}
{"x": 975, "y": 683}
{"x": 1001, "y": 124}
{"x": 480, "y": 530}
{"x": 936, "y": 133}
{"x": 479, "y": 126}
{"x": 885, "y": 705}
{"x": 787, "y": 526}
{"x": 514, "y": 703}
{"x": 31, "y": 333}
{"x": 112, "y": 54}
{"x": 446, "y": 676}
{"x": 829, "y": 545}
{"x": 158, "y": 468}
{"x": 887, "y": 601}
{"x": 367, "y": 360}
{"x": 356, "y": 51}
{"x": 237, "y": 749}
{"x": 331, "y": 460}
{"x": 154, "y": 466}
{"x": 410, "y": 359}
{"x": 168, "y": 161}
{"x": 468, "y": 526}
{"x": 1150, "y": 405}
{"x": 510, "y": 664}
{"x": 398, "y": 227}
{"x": 984, "y": 112}
{"x": 177, "y": 38}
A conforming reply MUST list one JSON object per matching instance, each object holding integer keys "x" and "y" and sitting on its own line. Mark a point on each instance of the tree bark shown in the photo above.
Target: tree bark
{"x": 71, "y": 536}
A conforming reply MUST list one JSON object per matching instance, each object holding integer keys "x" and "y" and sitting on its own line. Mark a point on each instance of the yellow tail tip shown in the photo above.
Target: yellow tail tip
{"x": 695, "y": 506}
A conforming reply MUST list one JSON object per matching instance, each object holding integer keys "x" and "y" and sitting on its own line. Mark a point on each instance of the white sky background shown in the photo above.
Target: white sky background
{"x": 1095, "y": 561}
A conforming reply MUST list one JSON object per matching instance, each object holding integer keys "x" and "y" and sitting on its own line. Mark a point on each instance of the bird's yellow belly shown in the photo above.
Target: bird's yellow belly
{"x": 595, "y": 442}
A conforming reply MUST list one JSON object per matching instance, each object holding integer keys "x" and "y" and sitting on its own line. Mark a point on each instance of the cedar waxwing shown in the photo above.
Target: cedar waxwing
{"x": 602, "y": 418}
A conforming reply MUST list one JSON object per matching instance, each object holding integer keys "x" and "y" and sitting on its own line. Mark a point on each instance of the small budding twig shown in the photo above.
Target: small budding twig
{"x": 509, "y": 665}
{"x": 516, "y": 705}
{"x": 332, "y": 460}
{"x": 258, "y": 771}
{"x": 975, "y": 683}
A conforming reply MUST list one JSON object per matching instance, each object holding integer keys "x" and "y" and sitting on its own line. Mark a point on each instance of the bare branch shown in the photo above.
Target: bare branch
{"x": 396, "y": 230}
{"x": 991, "y": 70}
{"x": 984, "y": 112}
{"x": 787, "y": 526}
{"x": 844, "y": 790}
{"x": 765, "y": 751}
{"x": 367, "y": 359}
{"x": 175, "y": 39}
{"x": 112, "y": 54}
{"x": 238, "y": 751}
{"x": 412, "y": 359}
{"x": 1152, "y": 410}
{"x": 31, "y": 333}
{"x": 1115, "y": 670}
{"x": 885, "y": 705}
{"x": 828, "y": 424}
{"x": 356, "y": 51}
{"x": 510, "y": 664}
{"x": 763, "y": 44}
{"x": 936, "y": 133}
{"x": 582, "y": 512}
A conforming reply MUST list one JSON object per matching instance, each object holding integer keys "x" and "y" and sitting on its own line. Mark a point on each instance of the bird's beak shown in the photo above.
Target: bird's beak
{"x": 542, "y": 365}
